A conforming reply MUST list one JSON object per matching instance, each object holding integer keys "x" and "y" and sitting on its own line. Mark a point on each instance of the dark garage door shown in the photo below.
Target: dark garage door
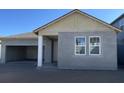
{"x": 21, "y": 53}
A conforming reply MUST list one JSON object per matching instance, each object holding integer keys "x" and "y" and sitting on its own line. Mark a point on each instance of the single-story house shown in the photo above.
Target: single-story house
{"x": 75, "y": 40}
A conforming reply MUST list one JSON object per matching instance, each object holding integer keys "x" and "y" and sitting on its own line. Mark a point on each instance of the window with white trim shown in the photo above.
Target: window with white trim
{"x": 94, "y": 45}
{"x": 80, "y": 45}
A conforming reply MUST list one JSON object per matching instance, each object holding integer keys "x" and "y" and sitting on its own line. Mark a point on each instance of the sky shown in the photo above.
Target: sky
{"x": 18, "y": 21}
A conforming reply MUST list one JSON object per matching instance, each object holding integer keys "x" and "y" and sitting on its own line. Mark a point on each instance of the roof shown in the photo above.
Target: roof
{"x": 28, "y": 35}
{"x": 73, "y": 11}
{"x": 121, "y": 16}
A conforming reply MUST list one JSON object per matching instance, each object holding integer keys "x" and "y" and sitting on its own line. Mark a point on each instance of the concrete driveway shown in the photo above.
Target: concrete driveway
{"x": 27, "y": 73}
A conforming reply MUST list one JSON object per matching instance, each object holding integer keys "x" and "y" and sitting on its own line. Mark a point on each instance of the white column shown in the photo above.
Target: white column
{"x": 40, "y": 50}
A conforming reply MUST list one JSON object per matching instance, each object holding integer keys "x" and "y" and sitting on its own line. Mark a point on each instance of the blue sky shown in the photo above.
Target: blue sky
{"x": 20, "y": 21}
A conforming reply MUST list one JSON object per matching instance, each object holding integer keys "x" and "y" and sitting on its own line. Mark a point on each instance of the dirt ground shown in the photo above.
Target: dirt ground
{"x": 27, "y": 73}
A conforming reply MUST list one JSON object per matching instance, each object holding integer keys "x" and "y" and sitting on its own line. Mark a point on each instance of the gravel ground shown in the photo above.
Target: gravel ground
{"x": 27, "y": 73}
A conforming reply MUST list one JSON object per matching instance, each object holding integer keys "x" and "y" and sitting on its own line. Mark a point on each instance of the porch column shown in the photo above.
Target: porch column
{"x": 40, "y": 50}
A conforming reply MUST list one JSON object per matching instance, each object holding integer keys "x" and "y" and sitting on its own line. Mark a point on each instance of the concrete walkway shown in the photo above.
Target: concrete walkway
{"x": 27, "y": 73}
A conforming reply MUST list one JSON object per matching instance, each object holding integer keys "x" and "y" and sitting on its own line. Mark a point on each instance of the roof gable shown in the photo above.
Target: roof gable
{"x": 81, "y": 13}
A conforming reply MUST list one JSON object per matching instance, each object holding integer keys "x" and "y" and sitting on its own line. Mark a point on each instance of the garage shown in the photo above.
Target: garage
{"x": 20, "y": 48}
{"x": 21, "y": 54}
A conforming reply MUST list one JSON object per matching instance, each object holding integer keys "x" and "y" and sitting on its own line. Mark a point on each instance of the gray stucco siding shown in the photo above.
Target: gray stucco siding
{"x": 68, "y": 60}
{"x": 21, "y": 42}
{"x": 47, "y": 50}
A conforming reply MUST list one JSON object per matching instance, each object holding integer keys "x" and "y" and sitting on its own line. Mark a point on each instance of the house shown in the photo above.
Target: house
{"x": 75, "y": 40}
{"x": 0, "y": 50}
{"x": 119, "y": 23}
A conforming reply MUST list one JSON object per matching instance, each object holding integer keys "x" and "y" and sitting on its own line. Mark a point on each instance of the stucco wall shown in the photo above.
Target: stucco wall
{"x": 55, "y": 54}
{"x": 68, "y": 60}
{"x": 47, "y": 54}
{"x": 20, "y": 42}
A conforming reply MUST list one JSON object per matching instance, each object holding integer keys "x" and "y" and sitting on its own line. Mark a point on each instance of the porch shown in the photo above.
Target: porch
{"x": 47, "y": 51}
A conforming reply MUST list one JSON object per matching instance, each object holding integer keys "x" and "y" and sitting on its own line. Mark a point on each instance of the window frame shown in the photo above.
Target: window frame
{"x": 79, "y": 45}
{"x": 100, "y": 46}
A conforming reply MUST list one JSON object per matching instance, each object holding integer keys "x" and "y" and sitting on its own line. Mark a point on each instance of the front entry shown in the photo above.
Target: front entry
{"x": 50, "y": 50}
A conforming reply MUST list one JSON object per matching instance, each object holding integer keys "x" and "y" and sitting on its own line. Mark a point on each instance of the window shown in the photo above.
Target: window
{"x": 94, "y": 45}
{"x": 80, "y": 45}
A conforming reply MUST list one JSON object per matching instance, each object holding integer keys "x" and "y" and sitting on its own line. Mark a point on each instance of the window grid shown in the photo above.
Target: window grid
{"x": 96, "y": 45}
{"x": 80, "y": 45}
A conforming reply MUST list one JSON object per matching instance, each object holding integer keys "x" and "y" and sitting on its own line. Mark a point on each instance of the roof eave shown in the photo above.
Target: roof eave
{"x": 8, "y": 38}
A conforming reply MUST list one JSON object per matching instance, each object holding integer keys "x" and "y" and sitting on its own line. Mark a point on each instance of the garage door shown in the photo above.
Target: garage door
{"x": 21, "y": 53}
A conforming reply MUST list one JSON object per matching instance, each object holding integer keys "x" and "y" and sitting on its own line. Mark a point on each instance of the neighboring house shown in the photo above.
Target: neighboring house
{"x": 76, "y": 40}
{"x": 0, "y": 50}
{"x": 119, "y": 23}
